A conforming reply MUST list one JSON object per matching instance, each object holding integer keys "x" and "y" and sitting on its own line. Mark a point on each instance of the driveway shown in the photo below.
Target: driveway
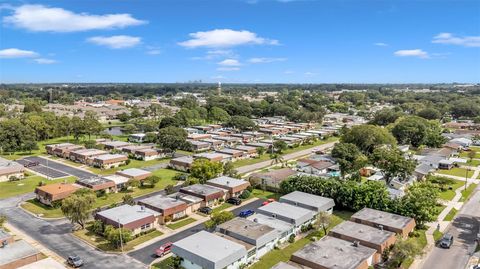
{"x": 464, "y": 229}
{"x": 46, "y": 167}
{"x": 286, "y": 157}
{"x": 146, "y": 254}
{"x": 56, "y": 236}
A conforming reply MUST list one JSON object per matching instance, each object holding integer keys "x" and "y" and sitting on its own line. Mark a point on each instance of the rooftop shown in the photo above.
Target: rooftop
{"x": 278, "y": 174}
{"x": 162, "y": 202}
{"x": 125, "y": 214}
{"x": 246, "y": 228}
{"x": 92, "y": 181}
{"x": 323, "y": 203}
{"x": 57, "y": 188}
{"x": 362, "y": 232}
{"x": 134, "y": 172}
{"x": 383, "y": 218}
{"x": 283, "y": 265}
{"x": 16, "y": 251}
{"x": 285, "y": 210}
{"x": 201, "y": 189}
{"x": 330, "y": 252}
{"x": 227, "y": 181}
{"x": 105, "y": 157}
{"x": 117, "y": 179}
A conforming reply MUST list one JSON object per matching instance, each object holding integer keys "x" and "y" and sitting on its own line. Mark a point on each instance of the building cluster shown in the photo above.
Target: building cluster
{"x": 53, "y": 193}
{"x": 161, "y": 209}
{"x": 243, "y": 241}
{"x": 355, "y": 244}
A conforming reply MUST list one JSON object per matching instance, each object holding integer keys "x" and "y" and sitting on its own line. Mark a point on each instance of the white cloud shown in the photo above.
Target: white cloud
{"x": 45, "y": 61}
{"x": 380, "y": 44}
{"x": 288, "y": 72}
{"x": 265, "y": 60}
{"x": 225, "y": 38}
{"x": 39, "y": 18}
{"x": 412, "y": 53}
{"x": 17, "y": 53}
{"x": 450, "y": 39}
{"x": 228, "y": 68}
{"x": 229, "y": 62}
{"x": 154, "y": 52}
{"x": 309, "y": 74}
{"x": 116, "y": 41}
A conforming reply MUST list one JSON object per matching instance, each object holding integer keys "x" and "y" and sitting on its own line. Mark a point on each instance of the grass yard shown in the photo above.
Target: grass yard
{"x": 221, "y": 207}
{"x": 437, "y": 235}
{"x": 448, "y": 194}
{"x": 180, "y": 223}
{"x": 26, "y": 185}
{"x": 277, "y": 255}
{"x": 164, "y": 264}
{"x": 439, "y": 209}
{"x": 468, "y": 192}
{"x": 473, "y": 163}
{"x": 265, "y": 194}
{"x": 132, "y": 164}
{"x": 244, "y": 162}
{"x": 421, "y": 240}
{"x": 101, "y": 243}
{"x": 451, "y": 214}
{"x": 111, "y": 198}
{"x": 456, "y": 171}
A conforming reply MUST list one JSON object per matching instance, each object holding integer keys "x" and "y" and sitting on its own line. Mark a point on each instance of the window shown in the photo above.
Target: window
{"x": 145, "y": 226}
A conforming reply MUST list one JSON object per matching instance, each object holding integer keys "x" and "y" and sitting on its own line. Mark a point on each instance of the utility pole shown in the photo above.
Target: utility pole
{"x": 466, "y": 177}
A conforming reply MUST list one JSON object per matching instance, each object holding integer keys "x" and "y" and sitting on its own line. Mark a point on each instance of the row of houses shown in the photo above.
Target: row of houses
{"x": 51, "y": 193}
{"x": 160, "y": 209}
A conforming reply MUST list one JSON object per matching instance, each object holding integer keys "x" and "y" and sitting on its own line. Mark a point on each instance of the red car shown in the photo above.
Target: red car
{"x": 268, "y": 201}
{"x": 164, "y": 249}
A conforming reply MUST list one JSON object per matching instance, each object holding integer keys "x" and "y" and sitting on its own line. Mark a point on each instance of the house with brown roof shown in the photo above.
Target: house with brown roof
{"x": 198, "y": 137}
{"x": 62, "y": 150}
{"x": 10, "y": 169}
{"x": 85, "y": 156}
{"x": 199, "y": 146}
{"x": 249, "y": 151}
{"x": 235, "y": 154}
{"x": 213, "y": 156}
{"x": 272, "y": 179}
{"x": 97, "y": 184}
{"x": 48, "y": 194}
{"x": 214, "y": 143}
{"x": 233, "y": 186}
{"x": 148, "y": 154}
{"x": 107, "y": 161}
{"x": 183, "y": 163}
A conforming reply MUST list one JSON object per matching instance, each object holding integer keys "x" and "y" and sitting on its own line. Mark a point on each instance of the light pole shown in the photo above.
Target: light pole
{"x": 466, "y": 177}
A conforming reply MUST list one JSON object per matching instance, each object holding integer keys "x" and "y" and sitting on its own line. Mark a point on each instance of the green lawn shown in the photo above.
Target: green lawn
{"x": 473, "y": 163}
{"x": 421, "y": 240}
{"x": 111, "y": 198}
{"x": 13, "y": 188}
{"x": 437, "y": 235}
{"x": 180, "y": 223}
{"x": 468, "y": 192}
{"x": 448, "y": 194}
{"x": 101, "y": 243}
{"x": 132, "y": 164}
{"x": 221, "y": 207}
{"x": 451, "y": 214}
{"x": 439, "y": 209}
{"x": 244, "y": 162}
{"x": 265, "y": 194}
{"x": 278, "y": 255}
{"x": 164, "y": 264}
{"x": 456, "y": 171}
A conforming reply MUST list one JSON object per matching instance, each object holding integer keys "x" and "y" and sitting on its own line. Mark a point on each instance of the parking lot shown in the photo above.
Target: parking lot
{"x": 52, "y": 169}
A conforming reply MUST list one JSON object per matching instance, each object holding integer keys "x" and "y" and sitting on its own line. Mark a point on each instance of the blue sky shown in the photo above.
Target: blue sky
{"x": 263, "y": 41}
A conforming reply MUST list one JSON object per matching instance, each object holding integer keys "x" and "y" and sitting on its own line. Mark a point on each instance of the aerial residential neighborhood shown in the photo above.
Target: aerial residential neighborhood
{"x": 246, "y": 134}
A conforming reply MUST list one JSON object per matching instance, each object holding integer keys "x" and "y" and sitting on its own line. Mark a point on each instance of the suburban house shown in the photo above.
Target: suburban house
{"x": 50, "y": 148}
{"x": 209, "y": 194}
{"x": 198, "y": 146}
{"x": 198, "y": 137}
{"x": 368, "y": 236}
{"x": 85, "y": 156}
{"x": 259, "y": 145}
{"x": 107, "y": 161}
{"x": 48, "y": 194}
{"x": 465, "y": 142}
{"x": 318, "y": 168}
{"x": 235, "y": 154}
{"x": 111, "y": 145}
{"x": 282, "y": 228}
{"x": 64, "y": 151}
{"x": 233, "y": 186}
{"x": 213, "y": 157}
{"x": 170, "y": 208}
{"x": 136, "y": 218}
{"x": 214, "y": 144}
{"x": 148, "y": 154}
{"x": 131, "y": 149}
{"x": 119, "y": 181}
{"x": 308, "y": 201}
{"x": 289, "y": 213}
{"x": 183, "y": 163}
{"x": 17, "y": 254}
{"x": 272, "y": 179}
{"x": 98, "y": 184}
{"x": 137, "y": 138}
{"x": 250, "y": 152}
{"x": 422, "y": 170}
{"x": 446, "y": 164}
{"x": 134, "y": 173}
{"x": 330, "y": 252}
{"x": 221, "y": 253}
{"x": 390, "y": 222}
{"x": 229, "y": 140}
{"x": 261, "y": 236}
{"x": 10, "y": 169}
{"x": 244, "y": 137}
{"x": 193, "y": 202}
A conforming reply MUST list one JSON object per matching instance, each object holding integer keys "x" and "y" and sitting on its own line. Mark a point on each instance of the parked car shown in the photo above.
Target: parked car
{"x": 268, "y": 201}
{"x": 31, "y": 164}
{"x": 234, "y": 201}
{"x": 74, "y": 261}
{"x": 246, "y": 213}
{"x": 446, "y": 241}
{"x": 205, "y": 210}
{"x": 164, "y": 249}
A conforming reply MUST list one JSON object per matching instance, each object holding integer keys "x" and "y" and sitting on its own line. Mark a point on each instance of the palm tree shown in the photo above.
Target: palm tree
{"x": 278, "y": 159}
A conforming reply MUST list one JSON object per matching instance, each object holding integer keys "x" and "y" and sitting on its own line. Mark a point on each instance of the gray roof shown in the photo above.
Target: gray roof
{"x": 308, "y": 201}
{"x": 287, "y": 212}
{"x": 4, "y": 234}
{"x": 227, "y": 181}
{"x": 161, "y": 202}
{"x": 362, "y": 232}
{"x": 424, "y": 169}
{"x": 134, "y": 172}
{"x": 92, "y": 181}
{"x": 201, "y": 189}
{"x": 383, "y": 218}
{"x": 279, "y": 225}
{"x": 208, "y": 250}
{"x": 125, "y": 214}
{"x": 248, "y": 231}
{"x": 109, "y": 156}
{"x": 330, "y": 252}
{"x": 16, "y": 251}
{"x": 283, "y": 265}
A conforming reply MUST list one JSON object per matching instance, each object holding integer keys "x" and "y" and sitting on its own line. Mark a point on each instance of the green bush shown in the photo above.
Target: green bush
{"x": 291, "y": 239}
{"x": 245, "y": 194}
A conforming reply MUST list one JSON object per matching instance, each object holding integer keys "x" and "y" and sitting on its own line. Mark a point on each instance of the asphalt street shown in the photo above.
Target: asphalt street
{"x": 146, "y": 255}
{"x": 56, "y": 235}
{"x": 464, "y": 229}
{"x": 69, "y": 170}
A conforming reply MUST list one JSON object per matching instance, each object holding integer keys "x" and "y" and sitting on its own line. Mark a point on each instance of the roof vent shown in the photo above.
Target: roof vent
{"x": 142, "y": 208}
{"x": 255, "y": 220}
{"x": 380, "y": 227}
{"x": 356, "y": 243}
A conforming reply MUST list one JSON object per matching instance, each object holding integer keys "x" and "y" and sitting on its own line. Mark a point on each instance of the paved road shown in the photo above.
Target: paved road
{"x": 146, "y": 254}
{"x": 56, "y": 236}
{"x": 464, "y": 229}
{"x": 67, "y": 169}
{"x": 294, "y": 155}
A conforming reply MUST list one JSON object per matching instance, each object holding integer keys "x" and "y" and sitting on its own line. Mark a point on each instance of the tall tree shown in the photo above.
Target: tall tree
{"x": 392, "y": 163}
{"x": 204, "y": 169}
{"x": 77, "y": 206}
{"x": 172, "y": 138}
{"x": 349, "y": 157}
{"x": 367, "y": 137}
